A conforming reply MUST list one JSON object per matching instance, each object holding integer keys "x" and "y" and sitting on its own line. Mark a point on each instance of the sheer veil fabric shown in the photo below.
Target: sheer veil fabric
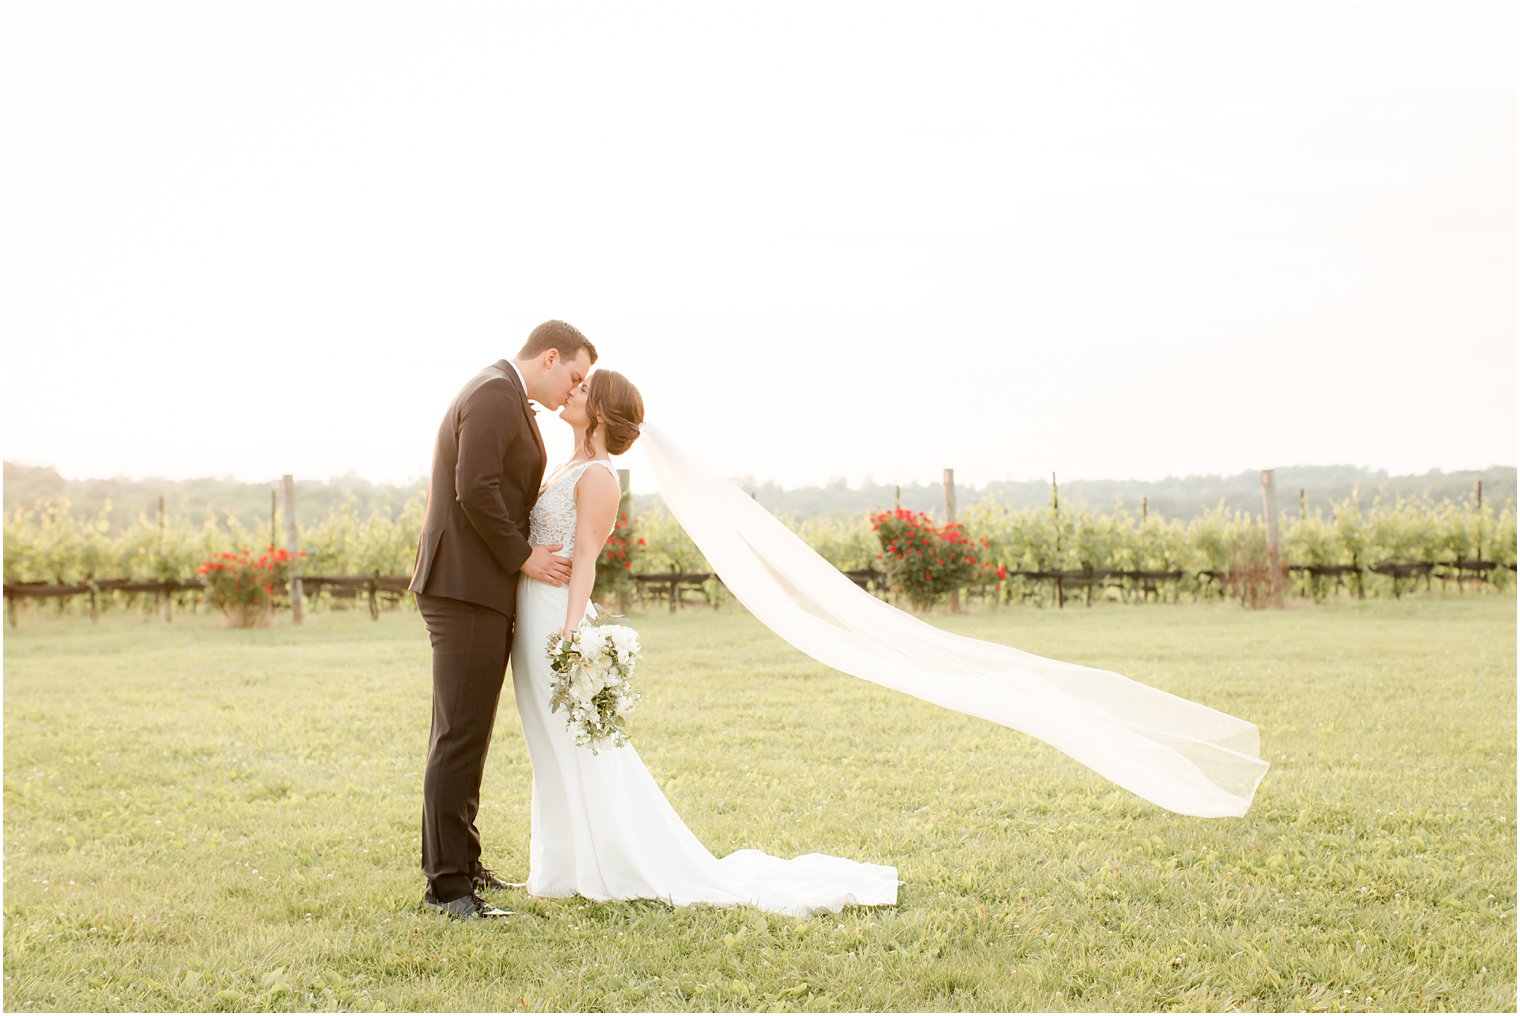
{"x": 1178, "y": 754}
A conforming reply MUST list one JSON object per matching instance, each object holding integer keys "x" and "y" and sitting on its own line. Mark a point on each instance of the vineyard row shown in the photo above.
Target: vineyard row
{"x": 1042, "y": 554}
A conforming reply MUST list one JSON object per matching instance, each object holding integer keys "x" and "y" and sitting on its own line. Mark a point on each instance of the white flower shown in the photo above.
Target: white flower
{"x": 584, "y": 684}
{"x": 592, "y": 669}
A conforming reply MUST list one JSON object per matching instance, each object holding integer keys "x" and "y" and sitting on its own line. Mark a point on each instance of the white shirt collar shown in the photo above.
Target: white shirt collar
{"x": 520, "y": 378}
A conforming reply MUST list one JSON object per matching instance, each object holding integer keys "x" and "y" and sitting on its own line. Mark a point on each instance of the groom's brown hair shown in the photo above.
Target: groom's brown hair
{"x": 556, "y": 335}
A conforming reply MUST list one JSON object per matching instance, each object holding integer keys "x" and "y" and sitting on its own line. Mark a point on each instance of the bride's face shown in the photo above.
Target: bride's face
{"x": 574, "y": 411}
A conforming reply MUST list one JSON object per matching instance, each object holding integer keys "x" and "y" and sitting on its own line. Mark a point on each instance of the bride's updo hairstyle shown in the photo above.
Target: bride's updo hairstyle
{"x": 614, "y": 401}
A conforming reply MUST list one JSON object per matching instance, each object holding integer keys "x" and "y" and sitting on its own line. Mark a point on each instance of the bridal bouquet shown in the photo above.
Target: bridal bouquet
{"x": 592, "y": 673}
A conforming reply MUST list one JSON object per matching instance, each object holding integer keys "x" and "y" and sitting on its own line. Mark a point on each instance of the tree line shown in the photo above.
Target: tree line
{"x": 1185, "y": 497}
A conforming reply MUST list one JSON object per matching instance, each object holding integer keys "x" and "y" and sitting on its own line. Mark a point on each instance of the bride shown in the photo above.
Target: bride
{"x": 601, "y": 828}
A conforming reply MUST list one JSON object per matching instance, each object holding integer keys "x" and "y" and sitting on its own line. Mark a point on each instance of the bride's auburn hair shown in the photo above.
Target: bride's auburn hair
{"x": 614, "y": 401}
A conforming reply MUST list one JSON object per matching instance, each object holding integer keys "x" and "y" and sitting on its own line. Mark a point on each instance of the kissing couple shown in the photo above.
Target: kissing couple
{"x": 506, "y": 559}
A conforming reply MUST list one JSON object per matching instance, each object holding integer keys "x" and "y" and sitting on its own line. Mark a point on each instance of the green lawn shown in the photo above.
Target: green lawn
{"x": 198, "y": 818}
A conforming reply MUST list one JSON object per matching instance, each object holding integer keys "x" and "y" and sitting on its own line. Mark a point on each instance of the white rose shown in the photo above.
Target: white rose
{"x": 584, "y": 685}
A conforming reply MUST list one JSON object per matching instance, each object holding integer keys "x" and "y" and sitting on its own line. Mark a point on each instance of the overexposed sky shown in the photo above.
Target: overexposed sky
{"x": 850, "y": 240}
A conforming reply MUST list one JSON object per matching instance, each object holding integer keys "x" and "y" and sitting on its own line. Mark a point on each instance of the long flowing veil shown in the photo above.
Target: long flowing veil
{"x": 1175, "y": 753}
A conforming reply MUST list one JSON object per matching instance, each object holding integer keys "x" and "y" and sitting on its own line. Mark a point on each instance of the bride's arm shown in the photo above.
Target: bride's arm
{"x": 596, "y": 506}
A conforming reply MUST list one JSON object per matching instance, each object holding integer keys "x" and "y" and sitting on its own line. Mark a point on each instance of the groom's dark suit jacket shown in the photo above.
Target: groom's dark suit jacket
{"x": 487, "y": 466}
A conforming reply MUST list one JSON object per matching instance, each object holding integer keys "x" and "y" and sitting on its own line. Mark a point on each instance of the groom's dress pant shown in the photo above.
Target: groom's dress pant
{"x": 470, "y": 648}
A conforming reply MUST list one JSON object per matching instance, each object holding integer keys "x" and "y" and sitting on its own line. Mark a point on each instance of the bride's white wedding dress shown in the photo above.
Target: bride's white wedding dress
{"x": 601, "y": 828}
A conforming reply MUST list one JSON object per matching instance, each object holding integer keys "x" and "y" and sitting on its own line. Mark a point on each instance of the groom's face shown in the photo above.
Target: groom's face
{"x": 562, "y": 377}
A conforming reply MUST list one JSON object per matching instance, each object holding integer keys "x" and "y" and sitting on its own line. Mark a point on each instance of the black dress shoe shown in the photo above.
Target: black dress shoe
{"x": 487, "y": 880}
{"x": 466, "y": 908}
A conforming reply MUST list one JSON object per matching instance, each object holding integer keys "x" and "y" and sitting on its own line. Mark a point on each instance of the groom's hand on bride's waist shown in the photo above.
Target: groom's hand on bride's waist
{"x": 546, "y": 566}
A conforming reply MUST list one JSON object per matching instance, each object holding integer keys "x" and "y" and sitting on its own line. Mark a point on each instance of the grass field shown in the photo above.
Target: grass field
{"x": 197, "y": 818}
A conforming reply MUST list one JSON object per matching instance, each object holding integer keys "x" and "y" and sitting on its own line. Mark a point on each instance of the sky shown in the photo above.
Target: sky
{"x": 827, "y": 240}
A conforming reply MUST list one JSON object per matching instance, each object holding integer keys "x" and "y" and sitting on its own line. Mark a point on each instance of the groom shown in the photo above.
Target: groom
{"x": 487, "y": 467}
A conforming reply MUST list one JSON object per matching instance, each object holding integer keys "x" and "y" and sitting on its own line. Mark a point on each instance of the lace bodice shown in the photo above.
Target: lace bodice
{"x": 553, "y": 517}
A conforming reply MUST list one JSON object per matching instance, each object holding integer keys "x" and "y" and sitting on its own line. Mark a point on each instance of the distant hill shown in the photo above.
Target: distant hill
{"x": 1180, "y": 497}
{"x": 197, "y": 500}
{"x": 1183, "y": 497}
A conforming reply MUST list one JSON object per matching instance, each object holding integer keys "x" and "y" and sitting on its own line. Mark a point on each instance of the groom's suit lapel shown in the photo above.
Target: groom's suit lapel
{"x": 538, "y": 438}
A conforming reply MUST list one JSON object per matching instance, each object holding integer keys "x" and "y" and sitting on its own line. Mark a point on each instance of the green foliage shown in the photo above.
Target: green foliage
{"x": 1498, "y": 536}
{"x": 380, "y": 546}
{"x": 666, "y": 547}
{"x": 844, "y": 541}
{"x": 1222, "y": 551}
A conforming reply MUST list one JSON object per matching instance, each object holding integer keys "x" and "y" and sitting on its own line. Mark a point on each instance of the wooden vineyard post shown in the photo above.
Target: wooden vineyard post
{"x": 1311, "y": 582}
{"x": 293, "y": 545}
{"x": 955, "y": 594}
{"x": 1055, "y": 510}
{"x": 162, "y": 521}
{"x": 1478, "y": 547}
{"x": 274, "y": 514}
{"x": 623, "y": 479}
{"x": 1274, "y": 550}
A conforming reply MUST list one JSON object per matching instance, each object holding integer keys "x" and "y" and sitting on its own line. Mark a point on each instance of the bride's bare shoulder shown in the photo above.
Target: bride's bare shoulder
{"x": 598, "y": 482}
